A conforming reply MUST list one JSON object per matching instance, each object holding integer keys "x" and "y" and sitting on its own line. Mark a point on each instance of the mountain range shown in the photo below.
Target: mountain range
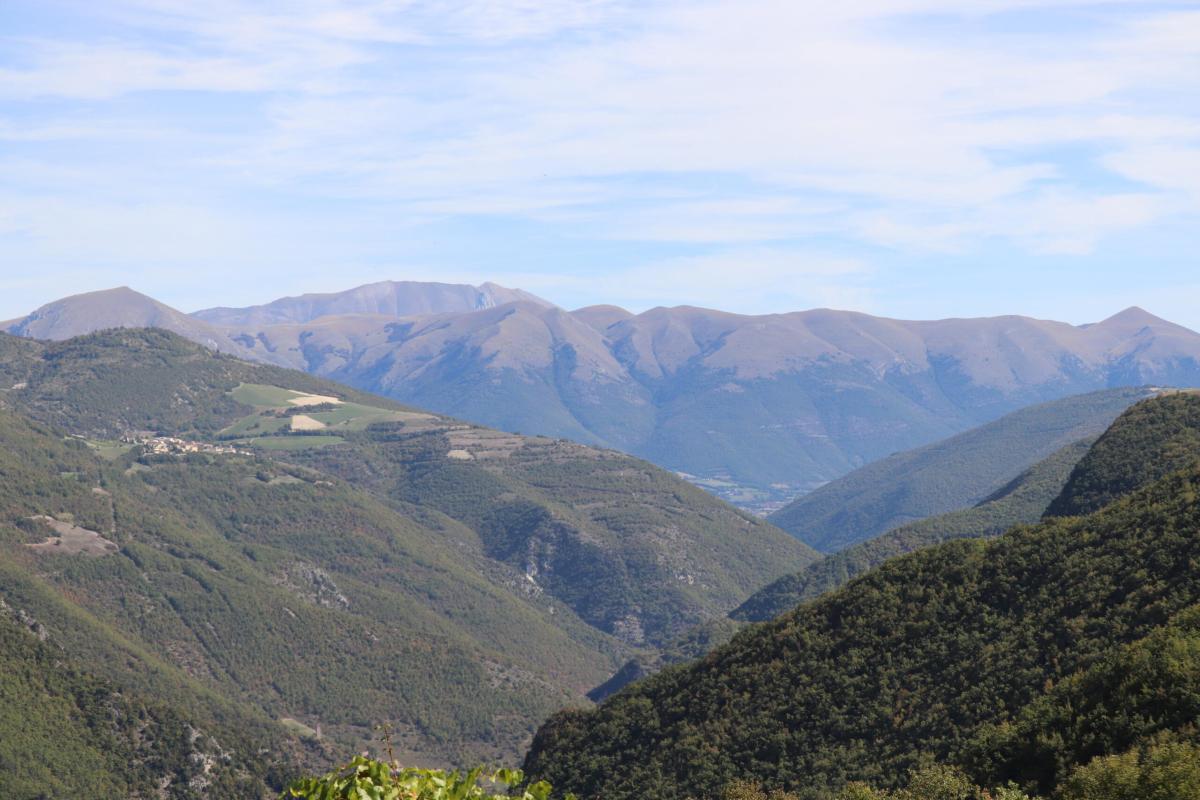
{"x": 757, "y": 409}
{"x": 215, "y": 572}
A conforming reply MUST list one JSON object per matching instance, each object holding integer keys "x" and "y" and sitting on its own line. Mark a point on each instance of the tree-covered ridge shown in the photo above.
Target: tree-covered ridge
{"x": 114, "y": 382}
{"x": 948, "y": 475}
{"x": 1151, "y": 439}
{"x": 910, "y": 661}
{"x": 633, "y": 550}
{"x": 1023, "y": 500}
{"x": 637, "y": 552}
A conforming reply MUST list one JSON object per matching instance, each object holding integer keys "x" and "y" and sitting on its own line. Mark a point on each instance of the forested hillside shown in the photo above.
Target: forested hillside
{"x": 328, "y": 560}
{"x": 1023, "y": 500}
{"x": 934, "y": 655}
{"x": 1148, "y": 441}
{"x": 640, "y": 554}
{"x": 949, "y": 475}
{"x": 66, "y": 733}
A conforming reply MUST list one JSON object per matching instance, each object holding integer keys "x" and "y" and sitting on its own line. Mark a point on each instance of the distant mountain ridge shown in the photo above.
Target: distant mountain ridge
{"x": 757, "y": 409}
{"x": 386, "y": 298}
{"x": 121, "y": 307}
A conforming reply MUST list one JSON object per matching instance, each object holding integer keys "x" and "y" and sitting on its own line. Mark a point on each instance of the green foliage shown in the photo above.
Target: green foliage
{"x": 1132, "y": 694}
{"x": 935, "y": 782}
{"x": 368, "y": 779}
{"x": 1153, "y": 438}
{"x": 1166, "y": 771}
{"x": 749, "y": 790}
{"x": 952, "y": 474}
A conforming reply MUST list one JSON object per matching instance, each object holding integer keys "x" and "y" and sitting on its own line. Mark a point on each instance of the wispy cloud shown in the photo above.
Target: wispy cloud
{"x": 762, "y": 126}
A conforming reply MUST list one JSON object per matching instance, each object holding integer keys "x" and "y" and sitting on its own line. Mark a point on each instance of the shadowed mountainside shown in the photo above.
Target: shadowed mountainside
{"x": 1021, "y": 501}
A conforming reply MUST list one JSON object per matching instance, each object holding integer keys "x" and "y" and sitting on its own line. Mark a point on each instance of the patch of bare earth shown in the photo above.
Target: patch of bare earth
{"x": 72, "y": 540}
{"x": 483, "y": 444}
{"x": 313, "y": 400}
{"x": 303, "y": 422}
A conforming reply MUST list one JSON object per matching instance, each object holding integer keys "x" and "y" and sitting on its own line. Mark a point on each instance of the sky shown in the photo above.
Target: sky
{"x": 907, "y": 158}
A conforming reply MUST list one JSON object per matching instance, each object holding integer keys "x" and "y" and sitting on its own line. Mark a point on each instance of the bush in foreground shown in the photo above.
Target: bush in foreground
{"x": 367, "y": 779}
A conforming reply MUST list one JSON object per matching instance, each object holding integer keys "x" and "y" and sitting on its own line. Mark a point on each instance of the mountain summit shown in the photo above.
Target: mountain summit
{"x": 121, "y": 307}
{"x": 387, "y": 298}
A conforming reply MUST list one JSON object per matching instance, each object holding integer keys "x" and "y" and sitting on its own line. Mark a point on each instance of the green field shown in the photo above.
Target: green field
{"x": 346, "y": 416}
{"x": 256, "y": 425}
{"x": 262, "y": 396}
{"x": 355, "y": 417}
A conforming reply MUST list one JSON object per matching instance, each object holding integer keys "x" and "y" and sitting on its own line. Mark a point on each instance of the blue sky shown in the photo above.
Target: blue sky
{"x": 910, "y": 158}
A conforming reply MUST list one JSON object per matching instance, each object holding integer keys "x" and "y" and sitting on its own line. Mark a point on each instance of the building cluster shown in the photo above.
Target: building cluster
{"x": 170, "y": 445}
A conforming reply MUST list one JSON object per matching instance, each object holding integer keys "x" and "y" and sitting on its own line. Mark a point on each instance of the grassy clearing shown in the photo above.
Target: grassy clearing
{"x": 299, "y": 728}
{"x": 262, "y": 396}
{"x": 355, "y": 417}
{"x": 345, "y": 416}
{"x": 256, "y": 425}
{"x": 109, "y": 450}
